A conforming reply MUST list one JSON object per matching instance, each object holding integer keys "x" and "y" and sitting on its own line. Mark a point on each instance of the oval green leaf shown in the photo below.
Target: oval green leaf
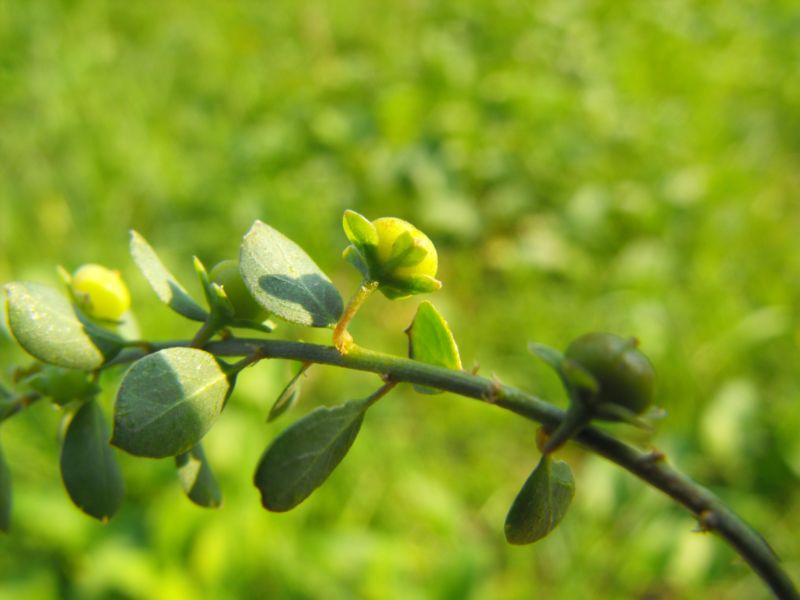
{"x": 431, "y": 341}
{"x": 89, "y": 468}
{"x": 359, "y": 230}
{"x": 168, "y": 401}
{"x": 164, "y": 284}
{"x": 197, "y": 479}
{"x": 302, "y": 457}
{"x": 5, "y": 493}
{"x": 285, "y": 280}
{"x": 541, "y": 503}
{"x": 47, "y": 326}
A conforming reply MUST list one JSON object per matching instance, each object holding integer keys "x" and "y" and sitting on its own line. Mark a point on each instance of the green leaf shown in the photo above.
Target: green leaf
{"x": 549, "y": 355}
{"x": 541, "y": 503}
{"x": 395, "y": 289}
{"x": 5, "y": 493}
{"x": 197, "y": 479}
{"x": 47, "y": 326}
{"x": 302, "y": 457}
{"x": 431, "y": 341}
{"x": 168, "y": 401}
{"x": 164, "y": 284}
{"x": 285, "y": 281}
{"x": 288, "y": 396}
{"x": 359, "y": 230}
{"x": 88, "y": 466}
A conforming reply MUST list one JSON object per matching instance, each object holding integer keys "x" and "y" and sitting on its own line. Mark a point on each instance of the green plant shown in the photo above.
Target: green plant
{"x": 173, "y": 392}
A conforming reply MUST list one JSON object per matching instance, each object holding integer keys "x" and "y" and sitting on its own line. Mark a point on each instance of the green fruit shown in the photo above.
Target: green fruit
{"x": 226, "y": 274}
{"x": 391, "y": 228}
{"x": 624, "y": 375}
{"x": 100, "y": 292}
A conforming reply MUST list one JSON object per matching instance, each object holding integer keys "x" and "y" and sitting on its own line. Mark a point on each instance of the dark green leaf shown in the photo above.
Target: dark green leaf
{"x": 541, "y": 503}
{"x": 303, "y": 456}
{"x": 197, "y": 479}
{"x": 288, "y": 396}
{"x": 88, "y": 465}
{"x": 431, "y": 341}
{"x": 48, "y": 327}
{"x": 415, "y": 284}
{"x": 166, "y": 287}
{"x": 5, "y": 493}
{"x": 285, "y": 281}
{"x": 359, "y": 230}
{"x": 578, "y": 378}
{"x": 167, "y": 401}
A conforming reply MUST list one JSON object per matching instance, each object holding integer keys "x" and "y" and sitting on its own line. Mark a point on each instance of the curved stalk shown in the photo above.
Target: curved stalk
{"x": 652, "y": 467}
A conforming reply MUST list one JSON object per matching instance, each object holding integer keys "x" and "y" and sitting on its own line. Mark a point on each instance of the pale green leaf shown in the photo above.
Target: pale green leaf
{"x": 359, "y": 230}
{"x": 47, "y": 326}
{"x": 431, "y": 341}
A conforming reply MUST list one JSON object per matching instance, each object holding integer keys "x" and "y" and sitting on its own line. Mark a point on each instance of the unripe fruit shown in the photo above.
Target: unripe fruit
{"x": 625, "y": 375}
{"x": 226, "y": 274}
{"x": 100, "y": 292}
{"x": 391, "y": 228}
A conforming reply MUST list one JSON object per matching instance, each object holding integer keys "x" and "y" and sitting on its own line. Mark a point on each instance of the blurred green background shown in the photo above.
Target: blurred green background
{"x": 631, "y": 166}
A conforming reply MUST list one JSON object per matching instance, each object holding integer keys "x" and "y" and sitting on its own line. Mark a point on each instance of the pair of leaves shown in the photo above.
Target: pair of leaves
{"x": 431, "y": 341}
{"x": 167, "y": 401}
{"x": 541, "y": 503}
{"x": 278, "y": 273}
{"x": 88, "y": 466}
{"x": 51, "y": 329}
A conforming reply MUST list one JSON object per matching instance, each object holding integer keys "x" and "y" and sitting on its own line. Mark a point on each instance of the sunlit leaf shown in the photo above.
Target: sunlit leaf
{"x": 167, "y": 401}
{"x": 88, "y": 466}
{"x": 285, "y": 280}
{"x": 197, "y": 479}
{"x": 302, "y": 457}
{"x": 359, "y": 230}
{"x": 166, "y": 287}
{"x": 431, "y": 341}
{"x": 541, "y": 503}
{"x": 47, "y": 326}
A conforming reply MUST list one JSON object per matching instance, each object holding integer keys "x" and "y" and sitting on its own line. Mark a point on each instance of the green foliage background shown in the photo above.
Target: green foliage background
{"x": 630, "y": 166}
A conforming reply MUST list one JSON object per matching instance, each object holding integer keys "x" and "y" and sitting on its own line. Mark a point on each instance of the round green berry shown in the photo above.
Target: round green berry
{"x": 100, "y": 292}
{"x": 391, "y": 228}
{"x": 226, "y": 274}
{"x": 624, "y": 375}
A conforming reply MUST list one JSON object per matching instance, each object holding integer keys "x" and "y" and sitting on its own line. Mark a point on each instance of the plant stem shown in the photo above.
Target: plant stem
{"x": 651, "y": 467}
{"x": 342, "y": 340}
